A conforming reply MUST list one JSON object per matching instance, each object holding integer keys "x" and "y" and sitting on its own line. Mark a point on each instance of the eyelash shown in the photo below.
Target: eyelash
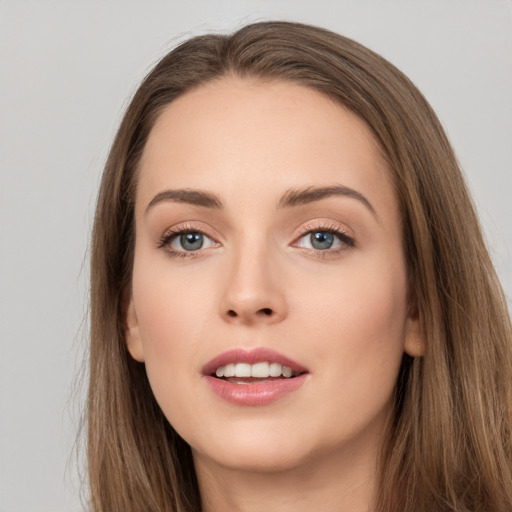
{"x": 346, "y": 240}
{"x": 171, "y": 234}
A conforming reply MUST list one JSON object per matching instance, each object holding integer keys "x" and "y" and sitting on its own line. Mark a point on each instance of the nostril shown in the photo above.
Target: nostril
{"x": 263, "y": 312}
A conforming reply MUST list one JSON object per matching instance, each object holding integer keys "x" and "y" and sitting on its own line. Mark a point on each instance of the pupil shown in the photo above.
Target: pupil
{"x": 322, "y": 240}
{"x": 191, "y": 241}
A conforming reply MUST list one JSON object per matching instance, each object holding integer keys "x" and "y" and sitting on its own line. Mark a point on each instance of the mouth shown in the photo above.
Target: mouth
{"x": 256, "y": 377}
{"x": 245, "y": 373}
{"x": 259, "y": 363}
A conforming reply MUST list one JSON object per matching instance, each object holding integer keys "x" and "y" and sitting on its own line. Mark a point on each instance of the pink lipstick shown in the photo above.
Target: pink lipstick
{"x": 253, "y": 377}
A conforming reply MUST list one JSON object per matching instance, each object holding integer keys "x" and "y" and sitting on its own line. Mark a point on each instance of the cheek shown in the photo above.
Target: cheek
{"x": 171, "y": 313}
{"x": 372, "y": 317}
{"x": 358, "y": 330}
{"x": 365, "y": 303}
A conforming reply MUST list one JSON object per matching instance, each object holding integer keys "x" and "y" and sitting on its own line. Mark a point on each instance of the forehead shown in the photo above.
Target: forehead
{"x": 234, "y": 133}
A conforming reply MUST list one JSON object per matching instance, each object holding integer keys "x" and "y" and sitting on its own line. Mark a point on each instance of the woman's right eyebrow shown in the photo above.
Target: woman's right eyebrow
{"x": 188, "y": 196}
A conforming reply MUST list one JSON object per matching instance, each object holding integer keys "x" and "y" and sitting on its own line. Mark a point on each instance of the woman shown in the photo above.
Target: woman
{"x": 291, "y": 303}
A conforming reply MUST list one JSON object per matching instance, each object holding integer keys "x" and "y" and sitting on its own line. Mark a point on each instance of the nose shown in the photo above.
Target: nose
{"x": 254, "y": 292}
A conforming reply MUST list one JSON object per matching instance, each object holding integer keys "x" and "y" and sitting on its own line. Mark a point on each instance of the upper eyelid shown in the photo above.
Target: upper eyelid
{"x": 332, "y": 228}
{"x": 190, "y": 227}
{"x": 323, "y": 225}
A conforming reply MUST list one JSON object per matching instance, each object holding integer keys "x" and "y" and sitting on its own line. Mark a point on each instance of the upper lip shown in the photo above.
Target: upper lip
{"x": 256, "y": 355}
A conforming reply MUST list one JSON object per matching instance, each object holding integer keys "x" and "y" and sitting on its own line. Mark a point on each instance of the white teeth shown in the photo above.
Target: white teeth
{"x": 229, "y": 370}
{"x": 260, "y": 370}
{"x": 242, "y": 370}
{"x": 275, "y": 370}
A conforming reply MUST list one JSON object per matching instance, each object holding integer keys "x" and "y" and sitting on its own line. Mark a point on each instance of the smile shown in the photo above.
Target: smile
{"x": 261, "y": 370}
{"x": 253, "y": 378}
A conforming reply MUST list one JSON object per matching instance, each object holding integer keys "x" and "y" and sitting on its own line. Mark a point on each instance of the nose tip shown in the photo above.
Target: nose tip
{"x": 253, "y": 293}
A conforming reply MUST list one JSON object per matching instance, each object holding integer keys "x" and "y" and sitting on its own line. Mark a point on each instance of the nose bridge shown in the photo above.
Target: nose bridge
{"x": 253, "y": 292}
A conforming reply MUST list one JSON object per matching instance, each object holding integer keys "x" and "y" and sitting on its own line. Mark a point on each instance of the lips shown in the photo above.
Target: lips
{"x": 252, "y": 357}
{"x": 253, "y": 378}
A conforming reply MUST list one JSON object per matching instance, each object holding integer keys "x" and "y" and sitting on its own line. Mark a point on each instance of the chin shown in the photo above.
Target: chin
{"x": 259, "y": 450}
{"x": 257, "y": 460}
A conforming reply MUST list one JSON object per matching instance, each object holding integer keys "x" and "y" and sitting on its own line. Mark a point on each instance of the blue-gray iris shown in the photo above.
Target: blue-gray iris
{"x": 321, "y": 240}
{"x": 191, "y": 241}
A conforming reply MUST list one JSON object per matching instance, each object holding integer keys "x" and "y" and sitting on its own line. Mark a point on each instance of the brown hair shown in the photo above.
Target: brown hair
{"x": 450, "y": 442}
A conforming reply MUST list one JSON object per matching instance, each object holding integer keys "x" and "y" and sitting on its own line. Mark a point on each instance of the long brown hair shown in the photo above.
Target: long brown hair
{"x": 450, "y": 445}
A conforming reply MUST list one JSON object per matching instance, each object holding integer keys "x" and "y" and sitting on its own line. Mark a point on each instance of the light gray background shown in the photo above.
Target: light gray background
{"x": 67, "y": 70}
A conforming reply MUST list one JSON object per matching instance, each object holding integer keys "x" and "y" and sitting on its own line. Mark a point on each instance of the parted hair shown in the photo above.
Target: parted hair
{"x": 449, "y": 445}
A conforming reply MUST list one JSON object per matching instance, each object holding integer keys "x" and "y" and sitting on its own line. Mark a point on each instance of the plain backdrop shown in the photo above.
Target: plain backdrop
{"x": 67, "y": 69}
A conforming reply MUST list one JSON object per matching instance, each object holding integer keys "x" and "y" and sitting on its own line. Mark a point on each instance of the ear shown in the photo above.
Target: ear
{"x": 132, "y": 333}
{"x": 414, "y": 340}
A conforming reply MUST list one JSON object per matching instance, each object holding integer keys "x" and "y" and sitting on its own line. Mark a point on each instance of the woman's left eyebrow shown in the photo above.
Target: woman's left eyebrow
{"x": 297, "y": 197}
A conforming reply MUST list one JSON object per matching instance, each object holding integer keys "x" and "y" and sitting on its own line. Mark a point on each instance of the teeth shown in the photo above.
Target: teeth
{"x": 229, "y": 370}
{"x": 261, "y": 370}
{"x": 242, "y": 370}
{"x": 275, "y": 370}
{"x": 287, "y": 372}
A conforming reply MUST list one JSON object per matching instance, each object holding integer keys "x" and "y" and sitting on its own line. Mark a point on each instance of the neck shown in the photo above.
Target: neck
{"x": 333, "y": 482}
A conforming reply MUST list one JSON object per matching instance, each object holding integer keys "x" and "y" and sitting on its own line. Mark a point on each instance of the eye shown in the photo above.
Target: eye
{"x": 185, "y": 242}
{"x": 324, "y": 240}
{"x": 189, "y": 241}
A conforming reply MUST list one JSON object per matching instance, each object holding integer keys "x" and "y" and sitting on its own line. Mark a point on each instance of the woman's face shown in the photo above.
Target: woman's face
{"x": 268, "y": 231}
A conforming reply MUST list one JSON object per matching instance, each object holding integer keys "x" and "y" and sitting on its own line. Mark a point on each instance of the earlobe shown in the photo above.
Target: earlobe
{"x": 132, "y": 333}
{"x": 414, "y": 340}
{"x": 414, "y": 346}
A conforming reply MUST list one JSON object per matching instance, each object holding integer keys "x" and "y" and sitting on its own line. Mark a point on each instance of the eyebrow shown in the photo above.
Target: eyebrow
{"x": 188, "y": 196}
{"x": 290, "y": 199}
{"x": 297, "y": 197}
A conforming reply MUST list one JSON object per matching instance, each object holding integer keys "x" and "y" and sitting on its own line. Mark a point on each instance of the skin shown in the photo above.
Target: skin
{"x": 258, "y": 282}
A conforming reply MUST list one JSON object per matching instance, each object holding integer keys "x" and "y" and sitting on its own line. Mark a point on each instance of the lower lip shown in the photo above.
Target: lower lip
{"x": 255, "y": 393}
